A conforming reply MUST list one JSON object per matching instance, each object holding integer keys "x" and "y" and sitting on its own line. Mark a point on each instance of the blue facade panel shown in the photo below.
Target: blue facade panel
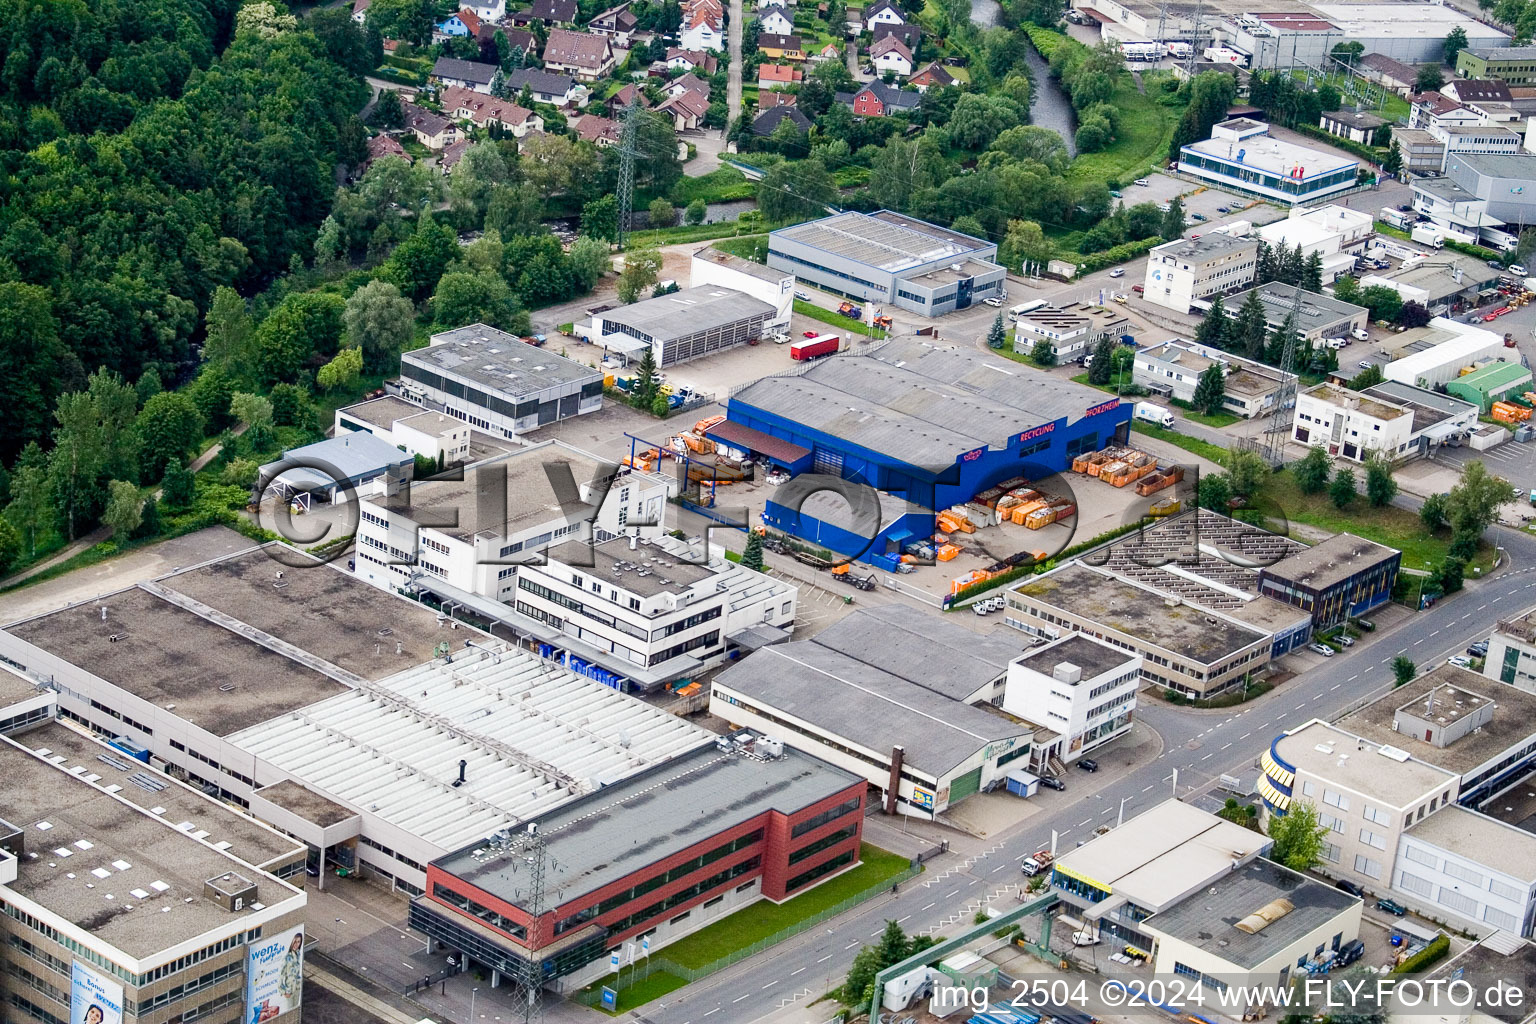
{"x": 883, "y": 552}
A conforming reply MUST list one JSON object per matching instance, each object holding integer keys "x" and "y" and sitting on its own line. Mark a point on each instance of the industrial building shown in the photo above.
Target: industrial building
{"x": 1073, "y": 330}
{"x": 337, "y": 470}
{"x": 1184, "y": 271}
{"x": 1358, "y": 126}
{"x": 437, "y": 436}
{"x": 1467, "y": 867}
{"x": 1512, "y": 652}
{"x": 1439, "y": 363}
{"x": 931, "y": 423}
{"x": 1318, "y": 316}
{"x": 657, "y": 614}
{"x": 1338, "y": 578}
{"x": 1257, "y": 924}
{"x": 1514, "y": 65}
{"x": 129, "y": 891}
{"x": 1422, "y": 154}
{"x": 472, "y": 533}
{"x": 1241, "y": 156}
{"x": 645, "y": 860}
{"x": 1411, "y": 33}
{"x": 1398, "y": 421}
{"x": 711, "y": 266}
{"x": 1479, "y": 192}
{"x": 1112, "y": 883}
{"x": 497, "y": 382}
{"x": 1492, "y": 382}
{"x": 887, "y": 694}
{"x": 1336, "y": 233}
{"x": 1172, "y": 369}
{"x": 890, "y": 258}
{"x": 682, "y": 325}
{"x": 1082, "y": 692}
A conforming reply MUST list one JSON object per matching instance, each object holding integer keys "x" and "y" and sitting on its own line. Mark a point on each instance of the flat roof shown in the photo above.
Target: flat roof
{"x": 923, "y": 648}
{"x": 1138, "y": 612}
{"x": 306, "y": 803}
{"x": 1512, "y": 721}
{"x": 609, "y": 835}
{"x": 1333, "y": 753}
{"x": 1504, "y": 53}
{"x": 1267, "y": 153}
{"x": 129, "y": 878}
{"x": 353, "y": 454}
{"x": 1343, "y": 397}
{"x": 920, "y": 403}
{"x": 752, "y": 268}
{"x": 15, "y": 687}
{"x": 867, "y": 705}
{"x": 1331, "y": 561}
{"x": 1428, "y": 407}
{"x": 1356, "y": 118}
{"x": 535, "y": 735}
{"x": 1486, "y": 840}
{"x": 1316, "y": 310}
{"x": 679, "y": 314}
{"x": 1208, "y": 246}
{"x": 1162, "y": 853}
{"x": 500, "y": 362}
{"x": 1208, "y": 919}
{"x": 1405, "y": 21}
{"x": 1499, "y": 165}
{"x": 1492, "y": 965}
{"x": 435, "y": 423}
{"x": 176, "y": 803}
{"x": 885, "y": 241}
{"x": 1093, "y": 657}
{"x": 644, "y": 569}
{"x": 381, "y": 412}
{"x": 1494, "y": 375}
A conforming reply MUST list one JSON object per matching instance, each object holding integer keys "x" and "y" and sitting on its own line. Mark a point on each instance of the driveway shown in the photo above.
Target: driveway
{"x": 733, "y": 87}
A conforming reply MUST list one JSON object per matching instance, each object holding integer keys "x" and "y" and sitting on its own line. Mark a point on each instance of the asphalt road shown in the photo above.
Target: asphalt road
{"x": 1199, "y": 746}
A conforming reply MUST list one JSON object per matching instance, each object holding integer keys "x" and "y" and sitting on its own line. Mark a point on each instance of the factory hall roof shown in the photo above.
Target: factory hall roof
{"x": 1492, "y": 966}
{"x": 885, "y": 240}
{"x": 130, "y": 878}
{"x": 916, "y": 646}
{"x": 499, "y": 362}
{"x": 1331, "y": 561}
{"x": 1315, "y": 312}
{"x": 919, "y": 403}
{"x": 680, "y": 314}
{"x": 534, "y": 735}
{"x": 867, "y": 705}
{"x": 752, "y": 268}
{"x": 1276, "y": 156}
{"x": 1512, "y": 722}
{"x": 608, "y": 835}
{"x": 1208, "y": 919}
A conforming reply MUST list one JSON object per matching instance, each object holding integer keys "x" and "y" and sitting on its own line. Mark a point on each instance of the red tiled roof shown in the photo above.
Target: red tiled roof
{"x": 481, "y": 108}
{"x": 470, "y": 19}
{"x": 779, "y": 74}
{"x": 888, "y": 44}
{"x": 583, "y": 49}
{"x": 590, "y": 127}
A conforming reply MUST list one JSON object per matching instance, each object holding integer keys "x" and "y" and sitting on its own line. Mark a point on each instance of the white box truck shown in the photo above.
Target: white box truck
{"x": 1149, "y": 413}
{"x": 1424, "y": 234}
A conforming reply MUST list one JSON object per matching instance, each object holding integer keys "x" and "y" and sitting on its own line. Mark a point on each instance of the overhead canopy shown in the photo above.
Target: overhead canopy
{"x": 753, "y": 440}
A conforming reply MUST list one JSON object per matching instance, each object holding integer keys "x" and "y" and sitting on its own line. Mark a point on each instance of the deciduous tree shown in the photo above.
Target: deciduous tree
{"x": 1298, "y": 836}
{"x": 1380, "y": 487}
{"x": 341, "y": 371}
{"x": 1341, "y": 489}
{"x": 379, "y": 321}
{"x": 1312, "y": 471}
{"x": 168, "y": 426}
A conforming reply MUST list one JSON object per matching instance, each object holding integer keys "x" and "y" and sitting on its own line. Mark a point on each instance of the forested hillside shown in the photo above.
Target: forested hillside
{"x": 151, "y": 151}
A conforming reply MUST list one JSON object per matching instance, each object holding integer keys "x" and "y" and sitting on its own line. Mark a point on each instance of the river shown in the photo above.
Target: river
{"x": 1051, "y": 108}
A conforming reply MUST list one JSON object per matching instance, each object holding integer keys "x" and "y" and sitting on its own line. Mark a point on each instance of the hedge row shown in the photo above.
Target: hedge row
{"x": 399, "y": 77}
{"x": 1118, "y": 254}
{"x": 1426, "y": 957}
{"x": 1348, "y": 145}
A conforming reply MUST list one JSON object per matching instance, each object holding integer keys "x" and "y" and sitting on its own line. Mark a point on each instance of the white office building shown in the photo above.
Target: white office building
{"x": 432, "y": 435}
{"x": 1080, "y": 689}
{"x": 711, "y": 266}
{"x": 1336, "y": 233}
{"x": 1512, "y": 652}
{"x": 473, "y": 533}
{"x": 1187, "y": 269}
{"x": 1242, "y": 157}
{"x": 1472, "y": 870}
{"x": 1173, "y": 369}
{"x": 652, "y": 607}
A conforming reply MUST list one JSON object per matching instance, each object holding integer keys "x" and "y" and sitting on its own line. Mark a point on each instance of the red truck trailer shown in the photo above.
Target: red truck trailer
{"x": 815, "y": 348}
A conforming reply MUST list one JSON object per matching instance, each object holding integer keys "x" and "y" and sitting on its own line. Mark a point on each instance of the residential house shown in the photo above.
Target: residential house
{"x": 484, "y": 111}
{"x": 617, "y": 23}
{"x": 780, "y": 47}
{"x": 597, "y": 130}
{"x": 691, "y": 60}
{"x": 703, "y": 26}
{"x": 555, "y": 12}
{"x": 465, "y": 23}
{"x": 688, "y": 83}
{"x": 775, "y": 18}
{"x": 488, "y": 11}
{"x": 584, "y": 55}
{"x": 908, "y": 34}
{"x": 933, "y": 76}
{"x": 770, "y": 119}
{"x": 882, "y": 12}
{"x": 521, "y": 39}
{"x": 765, "y": 100}
{"x": 891, "y": 55}
{"x": 466, "y": 73}
{"x": 547, "y": 87}
{"x": 381, "y": 146}
{"x": 687, "y": 110}
{"x": 623, "y": 98}
{"x": 360, "y": 10}
{"x": 1478, "y": 91}
{"x": 452, "y": 154}
{"x": 778, "y": 76}
{"x": 391, "y": 46}
{"x": 828, "y": 52}
{"x": 1387, "y": 72}
{"x": 1432, "y": 110}
{"x": 878, "y": 99}
{"x": 431, "y": 129}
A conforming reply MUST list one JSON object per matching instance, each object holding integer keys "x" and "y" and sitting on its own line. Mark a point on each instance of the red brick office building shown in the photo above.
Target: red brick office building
{"x": 641, "y": 863}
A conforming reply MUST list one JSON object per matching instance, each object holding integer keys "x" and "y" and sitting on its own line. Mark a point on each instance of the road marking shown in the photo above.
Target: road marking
{"x": 1298, "y": 707}
{"x": 825, "y": 959}
{"x": 715, "y": 1010}
{"x": 1335, "y": 686}
{"x": 931, "y": 905}
{"x": 999, "y": 868}
{"x": 1281, "y": 715}
{"x": 949, "y": 894}
{"x": 1149, "y": 787}
{"x": 1434, "y": 634}
{"x": 1207, "y": 757}
{"x": 1245, "y": 735}
{"x": 772, "y": 983}
{"x": 850, "y": 945}
{"x": 740, "y": 998}
{"x": 1351, "y": 679}
{"x": 1481, "y": 607}
{"x": 1224, "y": 747}
{"x": 1082, "y": 823}
{"x": 909, "y": 915}
{"x": 793, "y": 973}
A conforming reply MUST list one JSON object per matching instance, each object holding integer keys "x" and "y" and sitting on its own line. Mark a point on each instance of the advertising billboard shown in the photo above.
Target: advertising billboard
{"x": 274, "y": 976}
{"x": 94, "y": 998}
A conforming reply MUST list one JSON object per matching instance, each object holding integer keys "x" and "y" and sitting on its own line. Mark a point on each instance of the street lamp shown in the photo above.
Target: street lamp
{"x": 472, "y": 1004}
{"x": 1120, "y": 818}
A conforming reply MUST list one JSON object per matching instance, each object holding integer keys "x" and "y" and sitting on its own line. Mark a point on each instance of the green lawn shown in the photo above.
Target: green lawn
{"x": 1113, "y": 387}
{"x": 413, "y": 147}
{"x": 1194, "y": 445}
{"x": 1141, "y": 144}
{"x": 723, "y": 185}
{"x": 748, "y": 247}
{"x": 647, "y": 239}
{"x": 842, "y": 323}
{"x": 641, "y": 992}
{"x": 1209, "y": 419}
{"x": 761, "y": 920}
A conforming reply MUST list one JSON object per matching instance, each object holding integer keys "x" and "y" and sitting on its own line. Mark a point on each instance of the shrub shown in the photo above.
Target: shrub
{"x": 1426, "y": 957}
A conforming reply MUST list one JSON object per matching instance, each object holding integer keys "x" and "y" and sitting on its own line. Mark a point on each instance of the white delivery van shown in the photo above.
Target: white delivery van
{"x": 1149, "y": 413}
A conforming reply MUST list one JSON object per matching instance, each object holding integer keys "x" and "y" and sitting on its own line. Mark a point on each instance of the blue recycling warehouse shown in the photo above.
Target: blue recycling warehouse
{"x": 929, "y": 424}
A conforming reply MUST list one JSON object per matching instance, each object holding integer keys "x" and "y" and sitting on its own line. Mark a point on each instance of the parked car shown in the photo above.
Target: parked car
{"x": 803, "y": 296}
{"x": 1495, "y": 264}
{"x": 1364, "y": 364}
{"x": 1143, "y": 182}
{"x": 1138, "y": 289}
{"x": 1117, "y": 272}
{"x": 1120, "y": 297}
{"x": 1460, "y": 661}
{"x": 1197, "y": 216}
{"x": 1392, "y": 907}
{"x": 1351, "y": 951}
{"x": 1323, "y": 649}
{"x": 1115, "y": 194}
{"x": 1222, "y": 209}
{"x": 1194, "y": 236}
{"x": 1349, "y": 887}
{"x": 1365, "y": 624}
{"x": 1088, "y": 764}
{"x": 1051, "y": 782}
{"x": 1346, "y": 640}
{"x": 1518, "y": 269}
{"x": 994, "y": 301}
{"x": 1479, "y": 649}
{"x": 811, "y": 334}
